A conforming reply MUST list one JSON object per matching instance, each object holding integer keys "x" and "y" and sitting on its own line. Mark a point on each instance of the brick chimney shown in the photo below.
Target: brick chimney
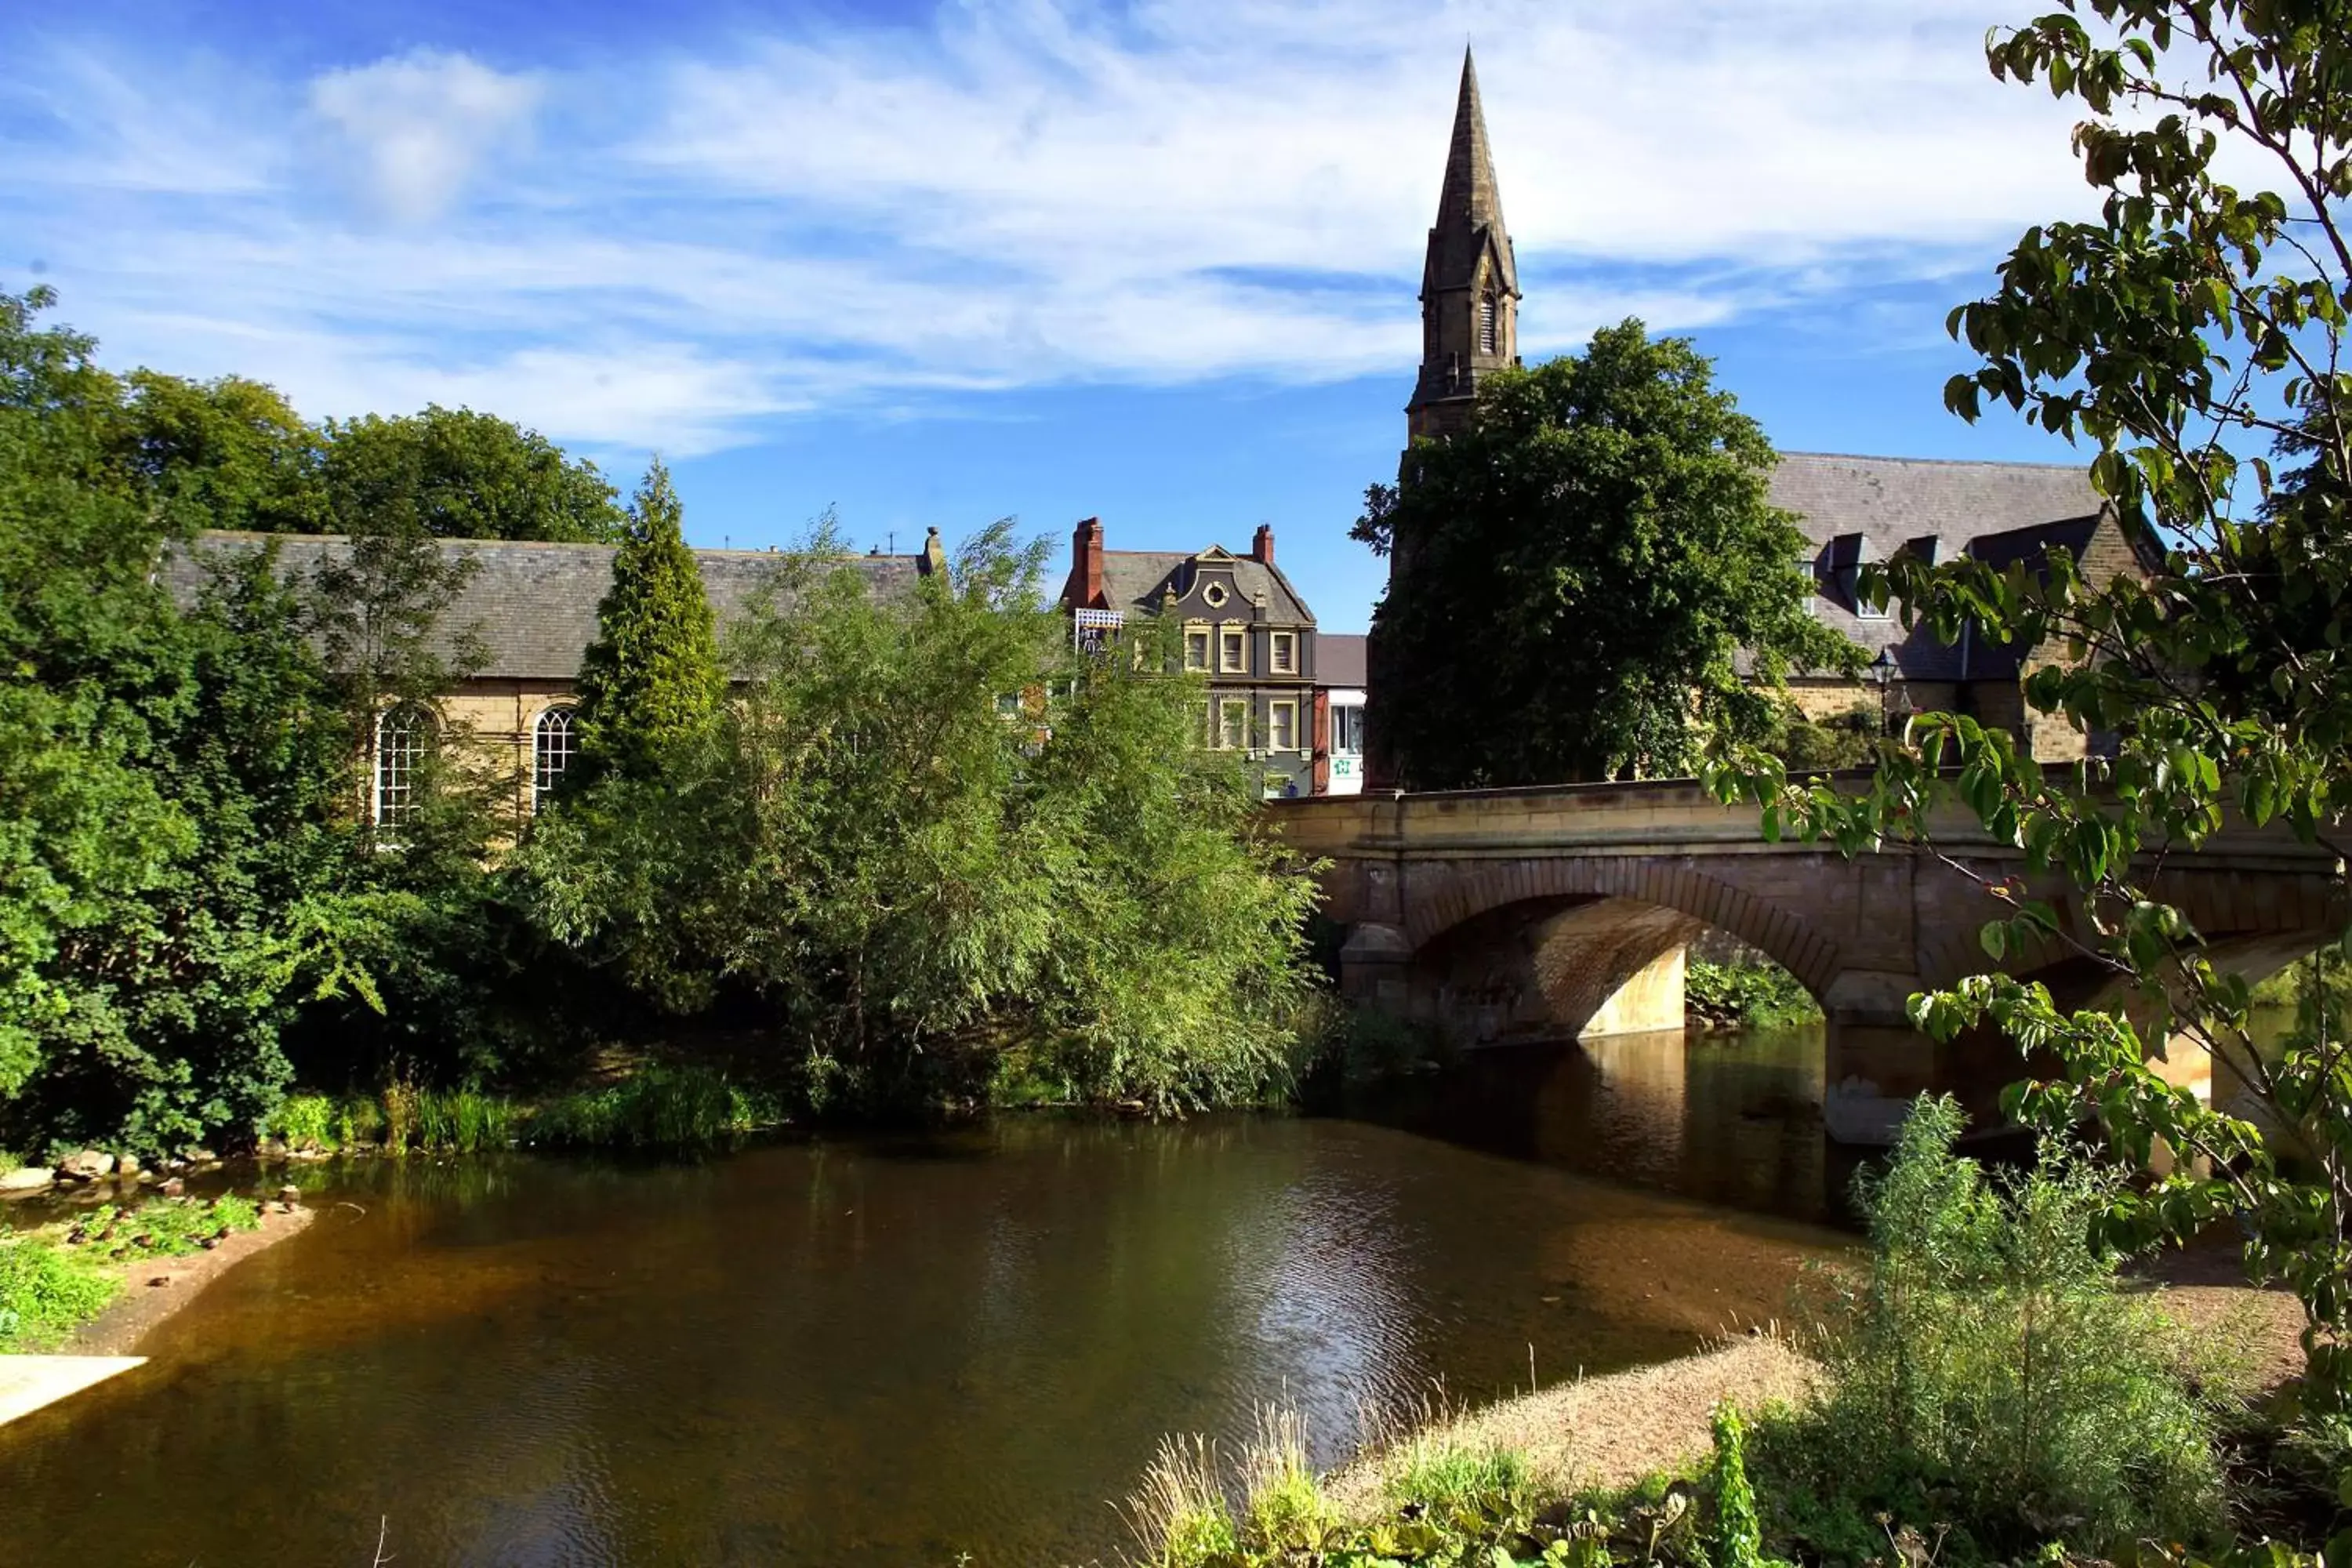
{"x": 1085, "y": 589}
{"x": 1262, "y": 547}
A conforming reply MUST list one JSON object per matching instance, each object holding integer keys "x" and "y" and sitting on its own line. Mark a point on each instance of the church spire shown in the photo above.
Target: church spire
{"x": 1469, "y": 282}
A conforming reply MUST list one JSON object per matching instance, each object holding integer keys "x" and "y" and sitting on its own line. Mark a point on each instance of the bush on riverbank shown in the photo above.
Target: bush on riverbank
{"x": 1989, "y": 1372}
{"x": 659, "y": 1107}
{"x": 1755, "y": 996}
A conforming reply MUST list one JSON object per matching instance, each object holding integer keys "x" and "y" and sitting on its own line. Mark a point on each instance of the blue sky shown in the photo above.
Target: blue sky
{"x": 935, "y": 264}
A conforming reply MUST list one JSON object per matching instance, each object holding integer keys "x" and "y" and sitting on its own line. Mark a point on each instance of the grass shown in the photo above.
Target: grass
{"x": 55, "y": 1279}
{"x": 160, "y": 1227}
{"x": 1445, "y": 1505}
{"x": 46, "y": 1292}
{"x": 658, "y": 1107}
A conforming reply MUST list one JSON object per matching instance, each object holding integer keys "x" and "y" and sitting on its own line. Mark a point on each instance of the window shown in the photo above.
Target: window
{"x": 1285, "y": 653}
{"x": 1196, "y": 648}
{"x": 1486, "y": 325}
{"x": 402, "y": 734}
{"x": 1232, "y": 651}
{"x": 1215, "y": 594}
{"x": 1348, "y": 729}
{"x": 554, "y": 741}
{"x": 1281, "y": 726}
{"x": 1233, "y": 724}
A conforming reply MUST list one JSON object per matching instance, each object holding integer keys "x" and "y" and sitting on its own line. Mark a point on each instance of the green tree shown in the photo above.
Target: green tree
{"x": 929, "y": 834}
{"x": 183, "y": 877}
{"x": 650, "y": 684}
{"x": 454, "y": 473}
{"x": 229, "y": 453}
{"x": 2188, "y": 325}
{"x": 1578, "y": 576}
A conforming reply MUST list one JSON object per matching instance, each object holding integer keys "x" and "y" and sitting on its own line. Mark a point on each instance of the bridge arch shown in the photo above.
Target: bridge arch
{"x": 1479, "y": 887}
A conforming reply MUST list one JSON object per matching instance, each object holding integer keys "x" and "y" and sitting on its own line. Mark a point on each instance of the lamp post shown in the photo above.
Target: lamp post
{"x": 1881, "y": 672}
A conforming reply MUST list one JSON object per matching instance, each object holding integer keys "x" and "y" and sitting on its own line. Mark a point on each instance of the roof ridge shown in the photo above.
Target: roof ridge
{"x": 2082, "y": 468}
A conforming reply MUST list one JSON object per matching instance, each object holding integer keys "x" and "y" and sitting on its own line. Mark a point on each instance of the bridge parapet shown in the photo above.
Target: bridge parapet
{"x": 1563, "y": 911}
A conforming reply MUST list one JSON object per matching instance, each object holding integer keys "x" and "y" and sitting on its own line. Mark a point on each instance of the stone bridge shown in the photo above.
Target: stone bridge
{"x": 1566, "y": 912}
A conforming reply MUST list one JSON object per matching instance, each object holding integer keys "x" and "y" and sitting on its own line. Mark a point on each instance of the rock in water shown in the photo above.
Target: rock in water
{"x": 85, "y": 1165}
{"x": 26, "y": 1179}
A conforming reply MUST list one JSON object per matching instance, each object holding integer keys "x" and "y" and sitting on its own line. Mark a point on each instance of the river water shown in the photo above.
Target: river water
{"x": 894, "y": 1350}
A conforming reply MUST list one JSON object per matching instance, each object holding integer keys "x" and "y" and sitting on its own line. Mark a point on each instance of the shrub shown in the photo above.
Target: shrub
{"x": 305, "y": 1122}
{"x": 44, "y": 1294}
{"x": 659, "y": 1108}
{"x": 1989, "y": 1367}
{"x": 1762, "y": 996}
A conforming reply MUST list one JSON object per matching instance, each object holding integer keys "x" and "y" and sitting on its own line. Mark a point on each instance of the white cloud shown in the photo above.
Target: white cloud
{"x": 1028, "y": 192}
{"x": 420, "y": 123}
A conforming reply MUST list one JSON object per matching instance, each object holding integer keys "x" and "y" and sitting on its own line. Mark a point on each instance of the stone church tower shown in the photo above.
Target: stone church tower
{"x": 1469, "y": 284}
{"x": 1469, "y": 330}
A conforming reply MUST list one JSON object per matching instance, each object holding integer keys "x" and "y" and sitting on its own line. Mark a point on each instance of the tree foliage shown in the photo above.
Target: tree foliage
{"x": 2187, "y": 327}
{"x": 183, "y": 883}
{"x": 1578, "y": 577}
{"x": 650, "y": 685}
{"x": 928, "y": 831}
{"x": 454, "y": 473}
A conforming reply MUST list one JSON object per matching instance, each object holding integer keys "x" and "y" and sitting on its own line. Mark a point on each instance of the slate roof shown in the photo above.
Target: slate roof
{"x": 1853, "y": 508}
{"x": 531, "y": 603}
{"x": 1339, "y": 660}
{"x": 1134, "y": 580}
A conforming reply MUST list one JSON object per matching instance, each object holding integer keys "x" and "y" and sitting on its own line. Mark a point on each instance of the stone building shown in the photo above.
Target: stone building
{"x": 1851, "y": 510}
{"x": 529, "y": 612}
{"x": 1236, "y": 619}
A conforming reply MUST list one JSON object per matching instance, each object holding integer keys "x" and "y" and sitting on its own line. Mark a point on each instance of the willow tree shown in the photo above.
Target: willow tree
{"x": 650, "y": 683}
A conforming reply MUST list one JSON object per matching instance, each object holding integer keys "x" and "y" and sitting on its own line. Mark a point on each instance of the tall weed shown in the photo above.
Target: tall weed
{"x": 659, "y": 1108}
{"x": 1990, "y": 1370}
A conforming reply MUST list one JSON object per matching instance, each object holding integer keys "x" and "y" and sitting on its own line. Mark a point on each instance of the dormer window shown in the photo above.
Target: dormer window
{"x": 1215, "y": 594}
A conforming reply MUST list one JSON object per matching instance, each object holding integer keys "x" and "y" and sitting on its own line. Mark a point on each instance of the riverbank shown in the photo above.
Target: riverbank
{"x": 127, "y": 1296}
{"x": 1609, "y": 1433}
{"x": 150, "y": 1289}
{"x": 94, "y": 1278}
{"x": 1596, "y": 1433}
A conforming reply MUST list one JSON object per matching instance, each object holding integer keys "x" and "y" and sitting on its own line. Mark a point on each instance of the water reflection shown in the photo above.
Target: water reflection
{"x": 1729, "y": 1118}
{"x": 855, "y": 1351}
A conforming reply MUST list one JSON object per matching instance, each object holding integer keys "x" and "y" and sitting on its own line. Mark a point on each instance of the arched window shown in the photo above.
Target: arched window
{"x": 1486, "y": 325}
{"x": 554, "y": 742}
{"x": 402, "y": 733}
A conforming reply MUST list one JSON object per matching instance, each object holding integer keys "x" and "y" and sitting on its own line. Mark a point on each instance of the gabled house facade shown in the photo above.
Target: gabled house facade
{"x": 1234, "y": 620}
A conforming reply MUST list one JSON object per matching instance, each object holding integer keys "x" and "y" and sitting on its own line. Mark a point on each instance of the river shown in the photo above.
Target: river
{"x": 894, "y": 1350}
